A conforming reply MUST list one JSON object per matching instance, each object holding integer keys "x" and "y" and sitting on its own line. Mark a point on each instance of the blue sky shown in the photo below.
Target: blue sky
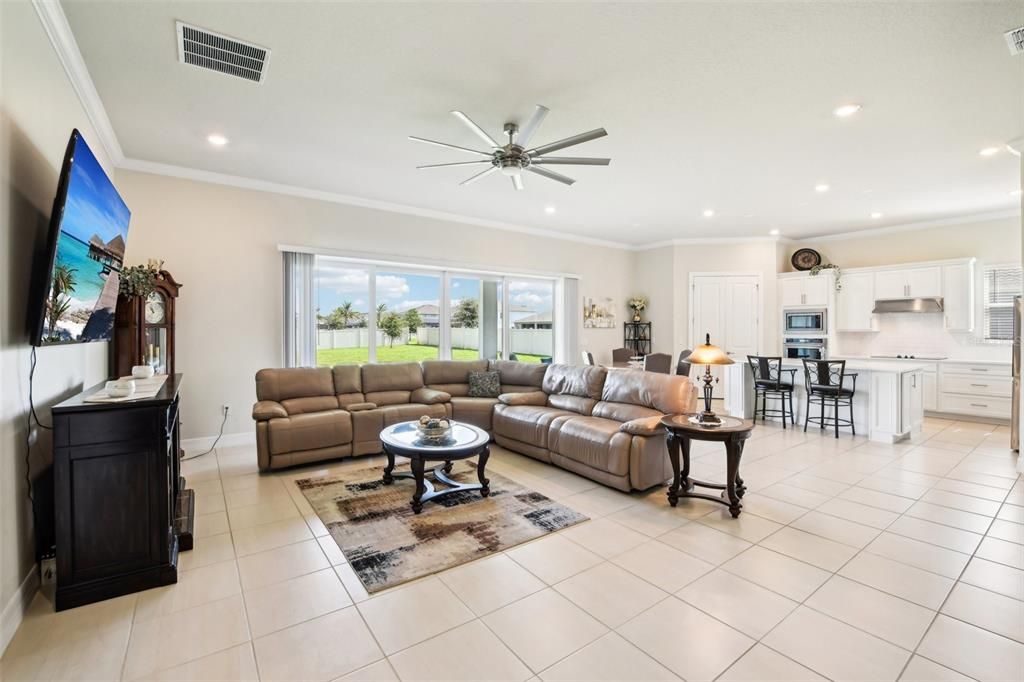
{"x": 400, "y": 291}
{"x": 93, "y": 206}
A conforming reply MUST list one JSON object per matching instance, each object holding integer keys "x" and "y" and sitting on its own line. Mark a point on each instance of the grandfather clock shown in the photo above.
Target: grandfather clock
{"x": 144, "y": 329}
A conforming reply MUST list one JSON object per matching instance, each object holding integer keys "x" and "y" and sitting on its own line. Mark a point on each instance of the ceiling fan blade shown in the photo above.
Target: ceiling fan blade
{"x": 449, "y": 146}
{"x": 517, "y": 181}
{"x": 558, "y": 177}
{"x": 480, "y": 132}
{"x": 530, "y": 127}
{"x": 457, "y": 163}
{"x": 471, "y": 180}
{"x": 568, "y": 142}
{"x": 570, "y": 160}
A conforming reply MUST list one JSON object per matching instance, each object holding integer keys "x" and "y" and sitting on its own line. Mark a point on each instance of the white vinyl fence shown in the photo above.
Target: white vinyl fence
{"x": 529, "y": 341}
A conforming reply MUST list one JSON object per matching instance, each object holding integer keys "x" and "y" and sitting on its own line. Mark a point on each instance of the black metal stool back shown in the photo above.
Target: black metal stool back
{"x": 826, "y": 385}
{"x": 770, "y": 381}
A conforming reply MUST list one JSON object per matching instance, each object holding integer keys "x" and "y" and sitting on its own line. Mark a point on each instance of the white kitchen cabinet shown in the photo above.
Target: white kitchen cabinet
{"x": 805, "y": 290}
{"x": 912, "y": 402}
{"x": 958, "y": 296}
{"x": 979, "y": 389}
{"x": 931, "y": 391}
{"x": 854, "y": 303}
{"x": 923, "y": 282}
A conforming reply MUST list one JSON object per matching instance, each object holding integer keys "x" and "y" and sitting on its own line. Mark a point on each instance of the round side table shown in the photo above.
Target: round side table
{"x": 733, "y": 432}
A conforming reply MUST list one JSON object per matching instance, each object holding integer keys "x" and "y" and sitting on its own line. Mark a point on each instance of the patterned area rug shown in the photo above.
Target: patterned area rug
{"x": 386, "y": 544}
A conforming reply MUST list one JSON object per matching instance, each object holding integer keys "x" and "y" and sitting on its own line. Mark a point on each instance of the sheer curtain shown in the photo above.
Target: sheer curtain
{"x": 568, "y": 329}
{"x": 299, "y": 310}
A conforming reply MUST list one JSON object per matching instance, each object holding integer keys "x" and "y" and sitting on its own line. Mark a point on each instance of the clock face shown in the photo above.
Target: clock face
{"x": 155, "y": 309}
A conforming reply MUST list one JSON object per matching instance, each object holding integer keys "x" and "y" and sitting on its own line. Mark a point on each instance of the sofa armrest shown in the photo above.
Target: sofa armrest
{"x": 268, "y": 409}
{"x": 429, "y": 396}
{"x": 360, "y": 407}
{"x": 525, "y": 398}
{"x": 645, "y": 426}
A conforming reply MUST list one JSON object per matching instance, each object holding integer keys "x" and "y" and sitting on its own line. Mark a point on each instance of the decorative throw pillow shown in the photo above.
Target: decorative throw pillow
{"x": 485, "y": 384}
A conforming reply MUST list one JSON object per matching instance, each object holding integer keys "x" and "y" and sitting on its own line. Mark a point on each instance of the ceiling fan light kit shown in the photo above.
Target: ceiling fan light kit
{"x": 516, "y": 156}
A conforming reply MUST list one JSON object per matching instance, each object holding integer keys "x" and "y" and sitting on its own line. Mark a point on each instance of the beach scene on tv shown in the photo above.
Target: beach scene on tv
{"x": 82, "y": 292}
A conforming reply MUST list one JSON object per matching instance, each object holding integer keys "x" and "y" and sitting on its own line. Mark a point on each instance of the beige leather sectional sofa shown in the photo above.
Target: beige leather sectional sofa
{"x": 598, "y": 423}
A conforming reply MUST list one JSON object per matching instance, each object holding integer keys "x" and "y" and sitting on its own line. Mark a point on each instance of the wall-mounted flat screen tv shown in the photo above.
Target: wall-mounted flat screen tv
{"x": 85, "y": 250}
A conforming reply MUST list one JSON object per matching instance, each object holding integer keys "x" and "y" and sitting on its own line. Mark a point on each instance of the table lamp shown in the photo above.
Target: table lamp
{"x": 707, "y": 355}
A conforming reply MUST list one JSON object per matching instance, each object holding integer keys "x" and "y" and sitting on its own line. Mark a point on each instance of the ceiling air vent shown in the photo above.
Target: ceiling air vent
{"x": 209, "y": 50}
{"x": 1015, "y": 39}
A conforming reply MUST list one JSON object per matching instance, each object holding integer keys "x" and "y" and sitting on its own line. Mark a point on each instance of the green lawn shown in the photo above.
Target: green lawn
{"x": 399, "y": 353}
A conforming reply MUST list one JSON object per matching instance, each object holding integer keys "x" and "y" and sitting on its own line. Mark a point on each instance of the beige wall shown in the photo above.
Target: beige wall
{"x": 221, "y": 243}
{"x": 38, "y": 109}
{"x": 654, "y": 280}
{"x": 990, "y": 241}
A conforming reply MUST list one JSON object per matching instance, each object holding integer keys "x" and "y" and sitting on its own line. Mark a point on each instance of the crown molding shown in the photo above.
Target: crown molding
{"x": 242, "y": 182}
{"x": 707, "y": 241}
{"x": 912, "y": 227}
{"x": 55, "y": 23}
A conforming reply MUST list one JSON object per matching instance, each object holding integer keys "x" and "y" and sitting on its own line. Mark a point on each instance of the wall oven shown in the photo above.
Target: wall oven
{"x": 805, "y": 321}
{"x": 799, "y": 348}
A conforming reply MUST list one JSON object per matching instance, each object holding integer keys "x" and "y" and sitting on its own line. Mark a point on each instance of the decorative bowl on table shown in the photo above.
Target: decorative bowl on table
{"x": 434, "y": 429}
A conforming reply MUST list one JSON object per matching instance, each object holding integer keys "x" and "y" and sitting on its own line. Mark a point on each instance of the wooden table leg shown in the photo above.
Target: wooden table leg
{"x": 733, "y": 450}
{"x": 672, "y": 442}
{"x": 388, "y": 478}
{"x": 417, "y": 474}
{"x": 741, "y": 487}
{"x": 480, "y": 464}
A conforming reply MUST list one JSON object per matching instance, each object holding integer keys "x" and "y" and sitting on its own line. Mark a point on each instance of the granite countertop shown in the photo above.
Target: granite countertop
{"x": 965, "y": 361}
{"x": 858, "y": 365}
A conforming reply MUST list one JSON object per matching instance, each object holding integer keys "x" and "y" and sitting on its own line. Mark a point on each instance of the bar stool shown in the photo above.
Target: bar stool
{"x": 770, "y": 383}
{"x": 825, "y": 381}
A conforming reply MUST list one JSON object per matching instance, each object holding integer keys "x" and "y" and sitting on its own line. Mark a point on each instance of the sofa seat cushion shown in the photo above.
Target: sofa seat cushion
{"x": 475, "y": 411}
{"x": 593, "y": 441}
{"x": 526, "y": 423}
{"x": 310, "y": 431}
{"x": 410, "y": 412}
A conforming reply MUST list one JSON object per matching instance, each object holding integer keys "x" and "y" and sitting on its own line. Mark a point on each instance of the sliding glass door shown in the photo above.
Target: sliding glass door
{"x": 368, "y": 312}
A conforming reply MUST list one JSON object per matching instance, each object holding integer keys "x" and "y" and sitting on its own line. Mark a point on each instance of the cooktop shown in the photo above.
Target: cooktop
{"x": 901, "y": 356}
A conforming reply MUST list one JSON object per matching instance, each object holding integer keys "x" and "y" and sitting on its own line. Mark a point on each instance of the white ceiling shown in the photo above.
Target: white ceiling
{"x": 707, "y": 105}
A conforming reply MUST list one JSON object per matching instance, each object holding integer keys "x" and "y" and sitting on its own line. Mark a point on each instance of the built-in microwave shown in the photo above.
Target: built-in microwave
{"x": 806, "y": 321}
{"x": 812, "y": 348}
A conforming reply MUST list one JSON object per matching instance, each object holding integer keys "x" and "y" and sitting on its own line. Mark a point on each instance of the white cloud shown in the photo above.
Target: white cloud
{"x": 354, "y": 281}
{"x": 391, "y": 286}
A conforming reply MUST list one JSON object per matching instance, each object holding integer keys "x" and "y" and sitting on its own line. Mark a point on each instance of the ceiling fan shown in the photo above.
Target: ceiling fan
{"x": 517, "y": 156}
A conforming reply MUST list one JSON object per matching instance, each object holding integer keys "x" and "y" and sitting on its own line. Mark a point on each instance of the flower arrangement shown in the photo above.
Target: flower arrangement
{"x": 140, "y": 280}
{"x": 816, "y": 270}
{"x": 637, "y": 304}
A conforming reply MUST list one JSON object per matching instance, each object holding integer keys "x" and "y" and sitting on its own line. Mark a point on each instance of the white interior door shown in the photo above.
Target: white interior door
{"x": 728, "y": 308}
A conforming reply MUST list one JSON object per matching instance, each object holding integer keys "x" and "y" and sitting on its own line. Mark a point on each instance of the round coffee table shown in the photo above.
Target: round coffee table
{"x": 733, "y": 432}
{"x": 403, "y": 440}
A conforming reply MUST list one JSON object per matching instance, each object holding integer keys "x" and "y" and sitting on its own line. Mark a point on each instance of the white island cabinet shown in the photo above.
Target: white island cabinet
{"x": 888, "y": 405}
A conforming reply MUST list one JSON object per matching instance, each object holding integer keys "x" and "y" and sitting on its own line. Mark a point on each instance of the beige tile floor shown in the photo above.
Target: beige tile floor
{"x": 852, "y": 561}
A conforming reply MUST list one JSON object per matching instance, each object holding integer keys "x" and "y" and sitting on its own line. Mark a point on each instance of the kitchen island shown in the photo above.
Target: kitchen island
{"x": 888, "y": 405}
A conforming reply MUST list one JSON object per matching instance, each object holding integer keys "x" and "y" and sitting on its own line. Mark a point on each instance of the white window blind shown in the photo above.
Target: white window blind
{"x": 1002, "y": 283}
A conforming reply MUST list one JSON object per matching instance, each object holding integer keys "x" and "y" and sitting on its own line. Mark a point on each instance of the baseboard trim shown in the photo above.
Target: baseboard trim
{"x": 191, "y": 445}
{"x": 15, "y": 608}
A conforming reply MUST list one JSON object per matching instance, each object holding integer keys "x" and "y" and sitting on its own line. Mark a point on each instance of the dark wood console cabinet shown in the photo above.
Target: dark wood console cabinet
{"x": 120, "y": 501}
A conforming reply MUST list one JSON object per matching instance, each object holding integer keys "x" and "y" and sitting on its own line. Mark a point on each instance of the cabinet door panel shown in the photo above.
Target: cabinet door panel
{"x": 958, "y": 297}
{"x": 931, "y": 392}
{"x": 816, "y": 289}
{"x": 792, "y": 292}
{"x": 924, "y": 282}
{"x": 855, "y": 302}
{"x": 890, "y": 284}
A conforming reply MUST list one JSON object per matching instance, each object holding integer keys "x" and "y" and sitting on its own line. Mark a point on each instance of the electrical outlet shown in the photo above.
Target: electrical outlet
{"x": 225, "y": 410}
{"x": 48, "y": 571}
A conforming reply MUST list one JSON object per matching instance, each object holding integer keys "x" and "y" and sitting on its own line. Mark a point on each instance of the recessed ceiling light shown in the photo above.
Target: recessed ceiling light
{"x": 821, "y": 187}
{"x": 876, "y": 215}
{"x": 773, "y": 232}
{"x": 846, "y": 110}
{"x": 549, "y": 210}
{"x": 217, "y": 140}
{"x": 989, "y": 151}
{"x": 709, "y": 213}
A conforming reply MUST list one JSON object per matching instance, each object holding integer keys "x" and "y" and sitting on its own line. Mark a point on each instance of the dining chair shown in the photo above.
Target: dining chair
{"x": 588, "y": 358}
{"x": 683, "y": 367}
{"x": 621, "y": 354}
{"x": 772, "y": 381}
{"x": 658, "y": 362}
{"x": 825, "y": 383}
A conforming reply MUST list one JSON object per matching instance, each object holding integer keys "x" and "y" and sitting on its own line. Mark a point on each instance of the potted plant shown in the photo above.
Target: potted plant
{"x": 637, "y": 304}
{"x": 139, "y": 280}
{"x": 816, "y": 270}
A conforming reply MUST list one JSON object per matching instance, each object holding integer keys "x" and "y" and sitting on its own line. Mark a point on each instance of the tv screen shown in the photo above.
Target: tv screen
{"x": 88, "y": 232}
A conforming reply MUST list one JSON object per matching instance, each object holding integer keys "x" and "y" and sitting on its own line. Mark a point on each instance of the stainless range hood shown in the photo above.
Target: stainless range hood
{"x": 909, "y": 305}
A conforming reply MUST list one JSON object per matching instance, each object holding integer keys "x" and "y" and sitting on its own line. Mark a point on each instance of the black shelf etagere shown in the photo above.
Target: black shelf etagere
{"x": 637, "y": 337}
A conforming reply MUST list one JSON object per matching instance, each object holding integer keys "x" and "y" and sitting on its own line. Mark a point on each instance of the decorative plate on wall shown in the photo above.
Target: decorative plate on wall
{"x": 805, "y": 259}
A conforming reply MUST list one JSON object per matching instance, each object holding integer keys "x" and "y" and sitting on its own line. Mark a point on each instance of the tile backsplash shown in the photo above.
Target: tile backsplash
{"x": 921, "y": 334}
